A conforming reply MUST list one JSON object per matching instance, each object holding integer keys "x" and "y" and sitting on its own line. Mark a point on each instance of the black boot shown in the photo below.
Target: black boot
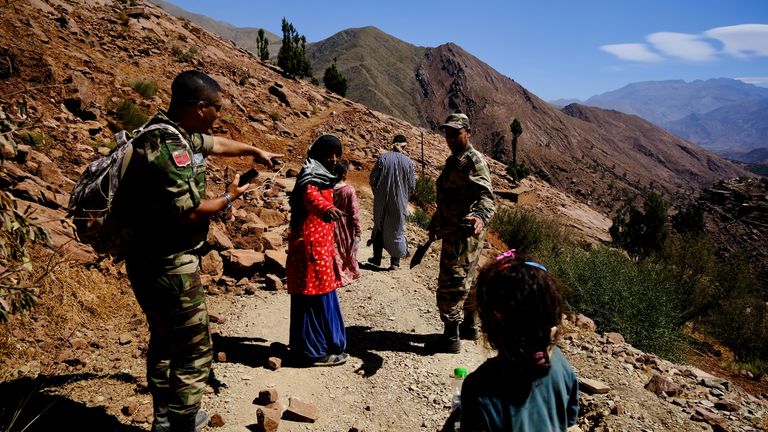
{"x": 187, "y": 423}
{"x": 394, "y": 263}
{"x": 468, "y": 330}
{"x": 448, "y": 342}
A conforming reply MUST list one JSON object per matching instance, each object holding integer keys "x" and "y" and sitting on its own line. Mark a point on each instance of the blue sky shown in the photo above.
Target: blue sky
{"x": 554, "y": 48}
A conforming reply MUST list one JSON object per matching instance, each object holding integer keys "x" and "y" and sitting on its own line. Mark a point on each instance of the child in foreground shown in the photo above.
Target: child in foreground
{"x": 529, "y": 386}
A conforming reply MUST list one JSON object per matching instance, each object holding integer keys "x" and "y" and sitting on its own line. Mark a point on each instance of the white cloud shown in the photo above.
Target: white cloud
{"x": 633, "y": 51}
{"x": 742, "y": 41}
{"x": 758, "y": 81}
{"x": 682, "y": 45}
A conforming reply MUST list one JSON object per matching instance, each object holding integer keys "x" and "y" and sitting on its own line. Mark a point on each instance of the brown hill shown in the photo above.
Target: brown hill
{"x": 602, "y": 164}
{"x": 603, "y": 156}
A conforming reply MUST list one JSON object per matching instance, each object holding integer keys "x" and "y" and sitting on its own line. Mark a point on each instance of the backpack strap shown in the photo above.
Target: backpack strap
{"x": 144, "y": 129}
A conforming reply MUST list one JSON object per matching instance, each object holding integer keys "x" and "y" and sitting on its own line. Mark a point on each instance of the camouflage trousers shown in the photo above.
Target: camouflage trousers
{"x": 455, "y": 284}
{"x": 180, "y": 351}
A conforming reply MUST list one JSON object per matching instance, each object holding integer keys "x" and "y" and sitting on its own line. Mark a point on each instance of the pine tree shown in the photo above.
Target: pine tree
{"x": 517, "y": 129}
{"x": 334, "y": 80}
{"x": 292, "y": 56}
{"x": 262, "y": 45}
{"x": 642, "y": 233}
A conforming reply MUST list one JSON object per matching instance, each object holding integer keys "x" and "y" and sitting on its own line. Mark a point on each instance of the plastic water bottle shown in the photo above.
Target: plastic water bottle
{"x": 458, "y": 379}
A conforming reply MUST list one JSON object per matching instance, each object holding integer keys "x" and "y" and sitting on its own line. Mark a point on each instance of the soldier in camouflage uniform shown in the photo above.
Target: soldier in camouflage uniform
{"x": 163, "y": 197}
{"x": 464, "y": 209}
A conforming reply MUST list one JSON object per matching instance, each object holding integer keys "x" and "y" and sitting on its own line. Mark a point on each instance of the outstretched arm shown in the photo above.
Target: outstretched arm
{"x": 229, "y": 147}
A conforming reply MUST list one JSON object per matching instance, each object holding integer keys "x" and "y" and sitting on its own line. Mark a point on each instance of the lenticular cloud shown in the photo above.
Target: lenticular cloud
{"x": 742, "y": 41}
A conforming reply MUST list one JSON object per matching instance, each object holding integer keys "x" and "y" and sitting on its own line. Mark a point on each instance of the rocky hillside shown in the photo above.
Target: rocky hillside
{"x": 380, "y": 69}
{"x": 736, "y": 215}
{"x": 423, "y": 85}
{"x": 244, "y": 37}
{"x": 602, "y": 156}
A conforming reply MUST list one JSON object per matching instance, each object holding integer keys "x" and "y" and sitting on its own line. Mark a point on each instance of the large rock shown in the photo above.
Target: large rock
{"x": 272, "y": 218}
{"x": 289, "y": 98}
{"x": 243, "y": 260}
{"x": 275, "y": 260}
{"x": 272, "y": 240}
{"x": 300, "y": 411}
{"x": 62, "y": 233}
{"x": 212, "y": 264}
{"x": 659, "y": 384}
{"x": 217, "y": 238}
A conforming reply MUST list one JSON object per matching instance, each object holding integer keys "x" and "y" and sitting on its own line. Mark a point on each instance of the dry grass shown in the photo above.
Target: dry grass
{"x": 74, "y": 299}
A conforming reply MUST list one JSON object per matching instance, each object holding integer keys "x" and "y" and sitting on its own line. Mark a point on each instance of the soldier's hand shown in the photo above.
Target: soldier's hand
{"x": 234, "y": 190}
{"x": 268, "y": 159}
{"x": 476, "y": 223}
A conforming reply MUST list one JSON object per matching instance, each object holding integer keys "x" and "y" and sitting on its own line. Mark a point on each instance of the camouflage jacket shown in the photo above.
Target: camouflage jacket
{"x": 463, "y": 189}
{"x": 165, "y": 178}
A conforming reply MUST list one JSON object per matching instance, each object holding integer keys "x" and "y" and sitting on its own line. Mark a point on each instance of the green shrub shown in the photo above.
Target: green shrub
{"x": 740, "y": 318}
{"x": 639, "y": 301}
{"x": 529, "y": 233}
{"x": 244, "y": 79}
{"x": 642, "y": 233}
{"x": 129, "y": 116}
{"x": 145, "y": 88}
{"x": 183, "y": 56}
{"x": 425, "y": 193}
{"x": 420, "y": 218}
{"x": 334, "y": 80}
{"x": 34, "y": 138}
{"x": 19, "y": 230}
{"x": 519, "y": 170}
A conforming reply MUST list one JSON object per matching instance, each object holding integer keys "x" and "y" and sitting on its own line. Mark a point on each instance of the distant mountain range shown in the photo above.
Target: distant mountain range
{"x": 723, "y": 115}
{"x": 603, "y": 156}
{"x": 244, "y": 37}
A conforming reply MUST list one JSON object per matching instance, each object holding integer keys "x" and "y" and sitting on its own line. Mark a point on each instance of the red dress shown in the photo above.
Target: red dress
{"x": 310, "y": 267}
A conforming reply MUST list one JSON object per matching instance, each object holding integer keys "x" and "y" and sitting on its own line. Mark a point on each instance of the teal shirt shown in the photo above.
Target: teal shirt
{"x": 497, "y": 398}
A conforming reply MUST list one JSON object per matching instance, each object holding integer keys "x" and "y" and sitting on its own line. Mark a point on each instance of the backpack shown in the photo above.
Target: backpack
{"x": 90, "y": 204}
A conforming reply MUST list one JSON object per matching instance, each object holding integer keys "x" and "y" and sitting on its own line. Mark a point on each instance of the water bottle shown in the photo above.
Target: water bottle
{"x": 458, "y": 378}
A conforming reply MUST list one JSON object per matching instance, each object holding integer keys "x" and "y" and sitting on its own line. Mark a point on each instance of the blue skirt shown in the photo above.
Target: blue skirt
{"x": 317, "y": 327}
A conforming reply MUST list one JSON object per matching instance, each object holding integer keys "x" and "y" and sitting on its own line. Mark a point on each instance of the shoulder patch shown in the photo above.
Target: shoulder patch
{"x": 181, "y": 158}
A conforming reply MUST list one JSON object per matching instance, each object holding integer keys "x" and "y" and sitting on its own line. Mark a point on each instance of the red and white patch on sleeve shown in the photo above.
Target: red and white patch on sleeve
{"x": 181, "y": 158}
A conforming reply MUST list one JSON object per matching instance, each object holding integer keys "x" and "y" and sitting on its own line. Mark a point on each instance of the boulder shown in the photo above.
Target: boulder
{"x": 243, "y": 260}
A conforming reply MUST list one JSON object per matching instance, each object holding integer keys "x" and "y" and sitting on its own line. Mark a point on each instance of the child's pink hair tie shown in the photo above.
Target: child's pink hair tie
{"x": 508, "y": 254}
{"x": 541, "y": 360}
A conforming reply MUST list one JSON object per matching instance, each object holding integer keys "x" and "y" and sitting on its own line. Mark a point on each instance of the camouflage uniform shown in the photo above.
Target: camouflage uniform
{"x": 463, "y": 189}
{"x": 166, "y": 178}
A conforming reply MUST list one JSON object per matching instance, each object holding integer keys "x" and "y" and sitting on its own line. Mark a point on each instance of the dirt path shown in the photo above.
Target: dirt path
{"x": 387, "y": 384}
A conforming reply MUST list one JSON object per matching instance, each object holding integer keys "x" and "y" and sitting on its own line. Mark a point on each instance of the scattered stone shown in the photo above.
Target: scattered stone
{"x": 216, "y": 421}
{"x": 718, "y": 423}
{"x": 618, "y": 409}
{"x": 221, "y": 357}
{"x": 591, "y": 386}
{"x": 144, "y": 414}
{"x": 300, "y": 411}
{"x": 585, "y": 323}
{"x": 275, "y": 261}
{"x": 274, "y": 363}
{"x": 130, "y": 408}
{"x": 660, "y": 385}
{"x": 614, "y": 338}
{"x": 268, "y": 419}
{"x": 272, "y": 282}
{"x": 243, "y": 259}
{"x": 124, "y": 339}
{"x": 212, "y": 264}
{"x": 729, "y": 404}
{"x": 216, "y": 319}
{"x": 266, "y": 397}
